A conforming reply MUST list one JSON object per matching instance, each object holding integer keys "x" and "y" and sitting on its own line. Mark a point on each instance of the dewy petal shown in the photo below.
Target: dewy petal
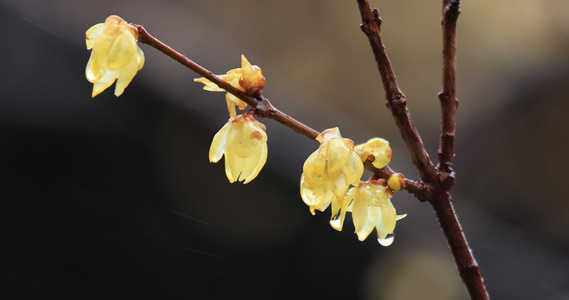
{"x": 338, "y": 214}
{"x": 386, "y": 225}
{"x": 89, "y": 74}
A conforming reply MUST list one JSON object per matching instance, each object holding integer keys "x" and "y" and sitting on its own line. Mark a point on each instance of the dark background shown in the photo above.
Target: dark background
{"x": 114, "y": 198}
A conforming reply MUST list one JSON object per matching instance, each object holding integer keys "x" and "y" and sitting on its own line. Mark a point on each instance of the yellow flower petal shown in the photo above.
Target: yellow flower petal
{"x": 218, "y": 144}
{"x": 377, "y": 150}
{"x": 104, "y": 82}
{"x": 92, "y": 34}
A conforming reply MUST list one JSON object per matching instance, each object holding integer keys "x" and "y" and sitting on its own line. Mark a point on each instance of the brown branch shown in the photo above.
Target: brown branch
{"x": 447, "y": 96}
{"x": 262, "y": 106}
{"x": 466, "y": 264}
{"x": 264, "y": 109}
{"x": 420, "y": 190}
{"x": 436, "y": 182}
{"x": 396, "y": 101}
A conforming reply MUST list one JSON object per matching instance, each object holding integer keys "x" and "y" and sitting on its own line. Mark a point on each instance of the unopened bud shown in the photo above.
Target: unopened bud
{"x": 396, "y": 182}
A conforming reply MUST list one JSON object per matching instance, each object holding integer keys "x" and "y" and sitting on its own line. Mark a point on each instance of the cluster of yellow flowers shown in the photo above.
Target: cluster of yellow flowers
{"x": 331, "y": 175}
{"x": 242, "y": 140}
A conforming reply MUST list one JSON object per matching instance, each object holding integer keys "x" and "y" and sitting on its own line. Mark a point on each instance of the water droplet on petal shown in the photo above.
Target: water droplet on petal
{"x": 388, "y": 240}
{"x": 336, "y": 220}
{"x": 336, "y": 223}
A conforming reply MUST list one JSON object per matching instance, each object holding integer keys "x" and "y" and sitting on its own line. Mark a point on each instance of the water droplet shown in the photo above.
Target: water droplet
{"x": 336, "y": 220}
{"x": 388, "y": 240}
{"x": 336, "y": 223}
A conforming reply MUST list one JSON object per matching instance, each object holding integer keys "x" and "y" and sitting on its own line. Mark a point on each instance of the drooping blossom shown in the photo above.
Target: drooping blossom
{"x": 115, "y": 55}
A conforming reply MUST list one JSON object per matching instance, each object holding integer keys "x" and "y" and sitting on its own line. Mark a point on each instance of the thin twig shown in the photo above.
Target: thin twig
{"x": 396, "y": 101}
{"x": 436, "y": 183}
{"x": 420, "y": 190}
{"x": 262, "y": 106}
{"x": 447, "y": 96}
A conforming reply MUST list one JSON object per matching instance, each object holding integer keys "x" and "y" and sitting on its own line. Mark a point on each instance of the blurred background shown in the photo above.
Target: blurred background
{"x": 114, "y": 198}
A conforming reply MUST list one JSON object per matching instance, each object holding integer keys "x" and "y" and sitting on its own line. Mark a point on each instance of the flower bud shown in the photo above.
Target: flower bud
{"x": 396, "y": 182}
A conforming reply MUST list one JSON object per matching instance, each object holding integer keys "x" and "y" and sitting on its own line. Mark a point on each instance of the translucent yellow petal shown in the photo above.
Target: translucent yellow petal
{"x": 323, "y": 200}
{"x": 245, "y": 65}
{"x": 328, "y": 134}
{"x": 258, "y": 160}
{"x": 122, "y": 50}
{"x": 228, "y": 171}
{"x": 233, "y": 166}
{"x": 92, "y": 34}
{"x": 140, "y": 58}
{"x": 306, "y": 192}
{"x": 338, "y": 157}
{"x": 103, "y": 83}
{"x": 217, "y": 147}
{"x": 339, "y": 186}
{"x": 233, "y": 101}
{"x": 89, "y": 74}
{"x": 359, "y": 209}
{"x": 359, "y": 169}
{"x": 208, "y": 85}
{"x": 386, "y": 225}
{"x": 126, "y": 74}
{"x": 377, "y": 150}
{"x": 236, "y": 149}
{"x": 373, "y": 217}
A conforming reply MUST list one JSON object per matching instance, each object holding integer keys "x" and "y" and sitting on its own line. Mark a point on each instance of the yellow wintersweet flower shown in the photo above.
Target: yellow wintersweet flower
{"x": 328, "y": 173}
{"x": 248, "y": 79}
{"x": 371, "y": 208}
{"x": 376, "y": 150}
{"x": 115, "y": 55}
{"x": 243, "y": 141}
